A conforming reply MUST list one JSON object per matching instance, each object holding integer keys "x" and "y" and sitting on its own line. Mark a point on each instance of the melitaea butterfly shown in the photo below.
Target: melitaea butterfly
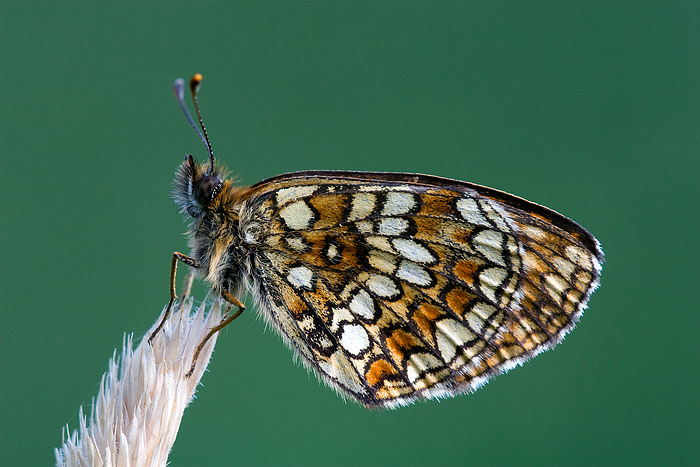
{"x": 391, "y": 287}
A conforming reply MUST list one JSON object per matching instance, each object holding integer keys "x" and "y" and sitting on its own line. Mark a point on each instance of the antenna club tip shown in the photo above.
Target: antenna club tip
{"x": 178, "y": 87}
{"x": 195, "y": 82}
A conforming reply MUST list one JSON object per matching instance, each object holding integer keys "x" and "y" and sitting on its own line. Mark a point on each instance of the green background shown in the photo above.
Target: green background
{"x": 592, "y": 109}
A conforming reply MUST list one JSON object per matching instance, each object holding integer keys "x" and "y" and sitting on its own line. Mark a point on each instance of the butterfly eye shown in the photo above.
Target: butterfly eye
{"x": 207, "y": 188}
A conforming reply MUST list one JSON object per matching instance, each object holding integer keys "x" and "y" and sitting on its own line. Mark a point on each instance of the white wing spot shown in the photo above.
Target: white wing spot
{"x": 295, "y": 192}
{"x": 297, "y": 215}
{"x": 488, "y": 243}
{"x": 340, "y": 314}
{"x": 475, "y": 322}
{"x": 364, "y": 227}
{"x": 382, "y": 261}
{"x": 392, "y": 226}
{"x": 413, "y": 251}
{"x": 512, "y": 247}
{"x": 479, "y": 314}
{"x": 296, "y": 243}
{"x": 556, "y": 286}
{"x": 484, "y": 310}
{"x": 496, "y": 214}
{"x": 339, "y": 367}
{"x": 565, "y": 267}
{"x": 382, "y": 285}
{"x": 490, "y": 279}
{"x": 380, "y": 243}
{"x": 363, "y": 305}
{"x": 354, "y": 339}
{"x": 332, "y": 251}
{"x": 362, "y": 206}
{"x": 420, "y": 362}
{"x": 300, "y": 277}
{"x": 450, "y": 335}
{"x": 411, "y": 272}
{"x": 398, "y": 203}
{"x": 469, "y": 209}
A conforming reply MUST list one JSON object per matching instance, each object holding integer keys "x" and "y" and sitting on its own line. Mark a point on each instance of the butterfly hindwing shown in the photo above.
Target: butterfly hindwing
{"x": 398, "y": 286}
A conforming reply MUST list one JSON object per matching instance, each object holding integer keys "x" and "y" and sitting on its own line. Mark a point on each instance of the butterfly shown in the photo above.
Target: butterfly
{"x": 390, "y": 287}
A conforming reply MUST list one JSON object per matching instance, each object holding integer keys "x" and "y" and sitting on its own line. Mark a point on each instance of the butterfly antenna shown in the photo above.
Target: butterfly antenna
{"x": 179, "y": 90}
{"x": 194, "y": 88}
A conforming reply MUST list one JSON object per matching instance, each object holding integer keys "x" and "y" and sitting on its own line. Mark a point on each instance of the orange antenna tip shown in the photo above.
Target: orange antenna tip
{"x": 195, "y": 82}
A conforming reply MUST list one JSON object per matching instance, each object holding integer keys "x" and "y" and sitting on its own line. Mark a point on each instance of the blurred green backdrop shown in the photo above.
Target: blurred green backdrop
{"x": 592, "y": 109}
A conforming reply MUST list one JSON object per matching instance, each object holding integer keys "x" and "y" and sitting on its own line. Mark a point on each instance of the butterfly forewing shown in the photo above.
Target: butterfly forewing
{"x": 393, "y": 287}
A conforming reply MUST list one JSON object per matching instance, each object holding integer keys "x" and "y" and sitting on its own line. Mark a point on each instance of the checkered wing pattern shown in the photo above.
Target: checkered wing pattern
{"x": 393, "y": 287}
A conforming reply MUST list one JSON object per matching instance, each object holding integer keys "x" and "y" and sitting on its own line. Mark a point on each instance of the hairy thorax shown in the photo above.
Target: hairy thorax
{"x": 215, "y": 241}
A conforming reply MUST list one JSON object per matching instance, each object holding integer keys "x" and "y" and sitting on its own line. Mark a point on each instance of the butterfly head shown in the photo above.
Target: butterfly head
{"x": 196, "y": 187}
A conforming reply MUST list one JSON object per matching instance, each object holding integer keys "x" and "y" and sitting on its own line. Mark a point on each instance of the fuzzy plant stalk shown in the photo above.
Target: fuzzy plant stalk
{"x": 136, "y": 415}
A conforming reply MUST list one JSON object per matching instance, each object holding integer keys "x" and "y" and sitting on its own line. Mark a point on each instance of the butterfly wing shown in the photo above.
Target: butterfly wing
{"x": 393, "y": 287}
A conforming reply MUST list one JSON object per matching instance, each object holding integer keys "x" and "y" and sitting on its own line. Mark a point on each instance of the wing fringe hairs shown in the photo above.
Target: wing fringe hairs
{"x": 136, "y": 415}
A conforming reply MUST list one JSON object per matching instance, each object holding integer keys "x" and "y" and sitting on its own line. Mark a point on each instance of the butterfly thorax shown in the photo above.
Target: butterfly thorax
{"x": 215, "y": 241}
{"x": 213, "y": 205}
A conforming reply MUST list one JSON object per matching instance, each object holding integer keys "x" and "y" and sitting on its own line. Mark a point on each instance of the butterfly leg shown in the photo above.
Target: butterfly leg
{"x": 225, "y": 321}
{"x": 173, "y": 292}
